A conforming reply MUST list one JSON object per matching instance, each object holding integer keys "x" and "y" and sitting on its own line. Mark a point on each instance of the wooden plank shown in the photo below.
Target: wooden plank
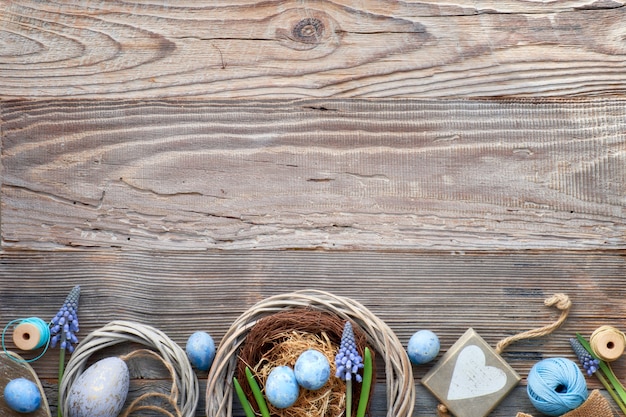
{"x": 426, "y": 404}
{"x": 453, "y": 175}
{"x": 291, "y": 49}
{"x": 498, "y": 294}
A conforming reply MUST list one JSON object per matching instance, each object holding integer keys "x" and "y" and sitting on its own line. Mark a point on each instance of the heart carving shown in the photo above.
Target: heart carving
{"x": 472, "y": 378}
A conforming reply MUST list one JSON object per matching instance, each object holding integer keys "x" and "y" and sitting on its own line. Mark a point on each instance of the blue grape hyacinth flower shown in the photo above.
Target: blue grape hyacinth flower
{"x": 348, "y": 360}
{"x": 65, "y": 322}
{"x": 588, "y": 362}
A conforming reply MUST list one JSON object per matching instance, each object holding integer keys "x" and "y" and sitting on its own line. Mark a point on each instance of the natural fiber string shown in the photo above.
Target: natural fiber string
{"x": 561, "y": 301}
{"x": 171, "y": 399}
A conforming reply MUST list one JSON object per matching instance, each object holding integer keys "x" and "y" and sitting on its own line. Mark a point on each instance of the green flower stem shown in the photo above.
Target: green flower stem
{"x": 61, "y": 372}
{"x": 617, "y": 386}
{"x": 608, "y": 373}
{"x": 611, "y": 392}
{"x": 367, "y": 383}
{"x": 349, "y": 398}
{"x": 258, "y": 395}
{"x": 247, "y": 408}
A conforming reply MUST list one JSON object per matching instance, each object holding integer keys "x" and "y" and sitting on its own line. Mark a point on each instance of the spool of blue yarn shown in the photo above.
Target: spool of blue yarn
{"x": 556, "y": 386}
{"x": 28, "y": 334}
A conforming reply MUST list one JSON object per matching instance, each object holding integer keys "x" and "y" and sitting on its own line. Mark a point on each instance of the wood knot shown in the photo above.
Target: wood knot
{"x": 308, "y": 30}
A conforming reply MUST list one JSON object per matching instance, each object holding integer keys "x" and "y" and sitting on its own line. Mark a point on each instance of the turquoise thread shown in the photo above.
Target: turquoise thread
{"x": 556, "y": 386}
{"x": 44, "y": 341}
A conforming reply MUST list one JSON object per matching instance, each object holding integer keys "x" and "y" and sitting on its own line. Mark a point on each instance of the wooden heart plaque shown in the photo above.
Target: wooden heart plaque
{"x": 471, "y": 378}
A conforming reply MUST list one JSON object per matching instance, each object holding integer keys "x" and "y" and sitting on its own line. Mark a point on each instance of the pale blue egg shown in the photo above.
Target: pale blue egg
{"x": 200, "y": 350}
{"x": 281, "y": 387}
{"x": 101, "y": 390}
{"x": 22, "y": 395}
{"x": 312, "y": 369}
{"x": 423, "y": 347}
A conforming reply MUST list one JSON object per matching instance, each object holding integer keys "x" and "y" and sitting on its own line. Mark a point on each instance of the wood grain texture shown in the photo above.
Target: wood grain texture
{"x": 151, "y": 148}
{"x": 296, "y": 49}
{"x": 454, "y": 175}
{"x": 498, "y": 294}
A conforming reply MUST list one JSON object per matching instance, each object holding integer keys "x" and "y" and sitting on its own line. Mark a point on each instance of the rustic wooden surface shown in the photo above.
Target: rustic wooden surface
{"x": 498, "y": 294}
{"x": 370, "y": 48}
{"x": 449, "y": 164}
{"x": 462, "y": 175}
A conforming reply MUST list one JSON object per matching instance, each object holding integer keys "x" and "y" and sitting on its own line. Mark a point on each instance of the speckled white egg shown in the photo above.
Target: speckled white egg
{"x": 312, "y": 369}
{"x": 423, "y": 347}
{"x": 281, "y": 387}
{"x": 101, "y": 390}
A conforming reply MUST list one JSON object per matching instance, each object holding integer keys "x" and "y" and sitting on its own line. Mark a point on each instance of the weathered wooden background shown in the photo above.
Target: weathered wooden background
{"x": 449, "y": 164}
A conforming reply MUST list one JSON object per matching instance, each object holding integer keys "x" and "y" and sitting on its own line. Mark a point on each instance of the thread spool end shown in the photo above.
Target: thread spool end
{"x": 608, "y": 343}
{"x": 26, "y": 336}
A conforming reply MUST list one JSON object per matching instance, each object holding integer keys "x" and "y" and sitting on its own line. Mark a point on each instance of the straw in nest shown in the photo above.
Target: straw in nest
{"x": 398, "y": 370}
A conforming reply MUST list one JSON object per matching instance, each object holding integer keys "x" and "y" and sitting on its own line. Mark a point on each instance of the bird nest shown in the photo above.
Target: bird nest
{"x": 276, "y": 329}
{"x": 280, "y": 338}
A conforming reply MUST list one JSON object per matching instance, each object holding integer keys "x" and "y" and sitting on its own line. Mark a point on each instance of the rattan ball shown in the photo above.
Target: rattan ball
{"x": 185, "y": 390}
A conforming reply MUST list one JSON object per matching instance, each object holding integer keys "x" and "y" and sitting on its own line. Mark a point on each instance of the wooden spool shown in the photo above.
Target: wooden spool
{"x": 608, "y": 343}
{"x": 26, "y": 336}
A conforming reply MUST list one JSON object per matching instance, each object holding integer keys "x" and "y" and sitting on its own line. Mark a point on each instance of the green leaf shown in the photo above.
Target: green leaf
{"x": 258, "y": 395}
{"x": 367, "y": 383}
{"x": 247, "y": 408}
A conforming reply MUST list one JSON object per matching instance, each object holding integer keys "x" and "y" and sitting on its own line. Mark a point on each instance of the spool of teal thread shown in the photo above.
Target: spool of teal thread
{"x": 556, "y": 386}
{"x": 28, "y": 334}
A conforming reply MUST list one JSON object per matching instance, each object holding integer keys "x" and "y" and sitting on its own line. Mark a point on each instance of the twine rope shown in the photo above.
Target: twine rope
{"x": 171, "y": 399}
{"x": 559, "y": 300}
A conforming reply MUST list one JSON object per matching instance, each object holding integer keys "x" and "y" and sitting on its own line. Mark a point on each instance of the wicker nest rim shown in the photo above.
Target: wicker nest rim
{"x": 400, "y": 387}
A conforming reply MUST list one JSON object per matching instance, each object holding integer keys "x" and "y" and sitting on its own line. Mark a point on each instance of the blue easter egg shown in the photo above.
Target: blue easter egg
{"x": 281, "y": 387}
{"x": 423, "y": 347}
{"x": 312, "y": 369}
{"x": 200, "y": 350}
{"x": 22, "y": 395}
